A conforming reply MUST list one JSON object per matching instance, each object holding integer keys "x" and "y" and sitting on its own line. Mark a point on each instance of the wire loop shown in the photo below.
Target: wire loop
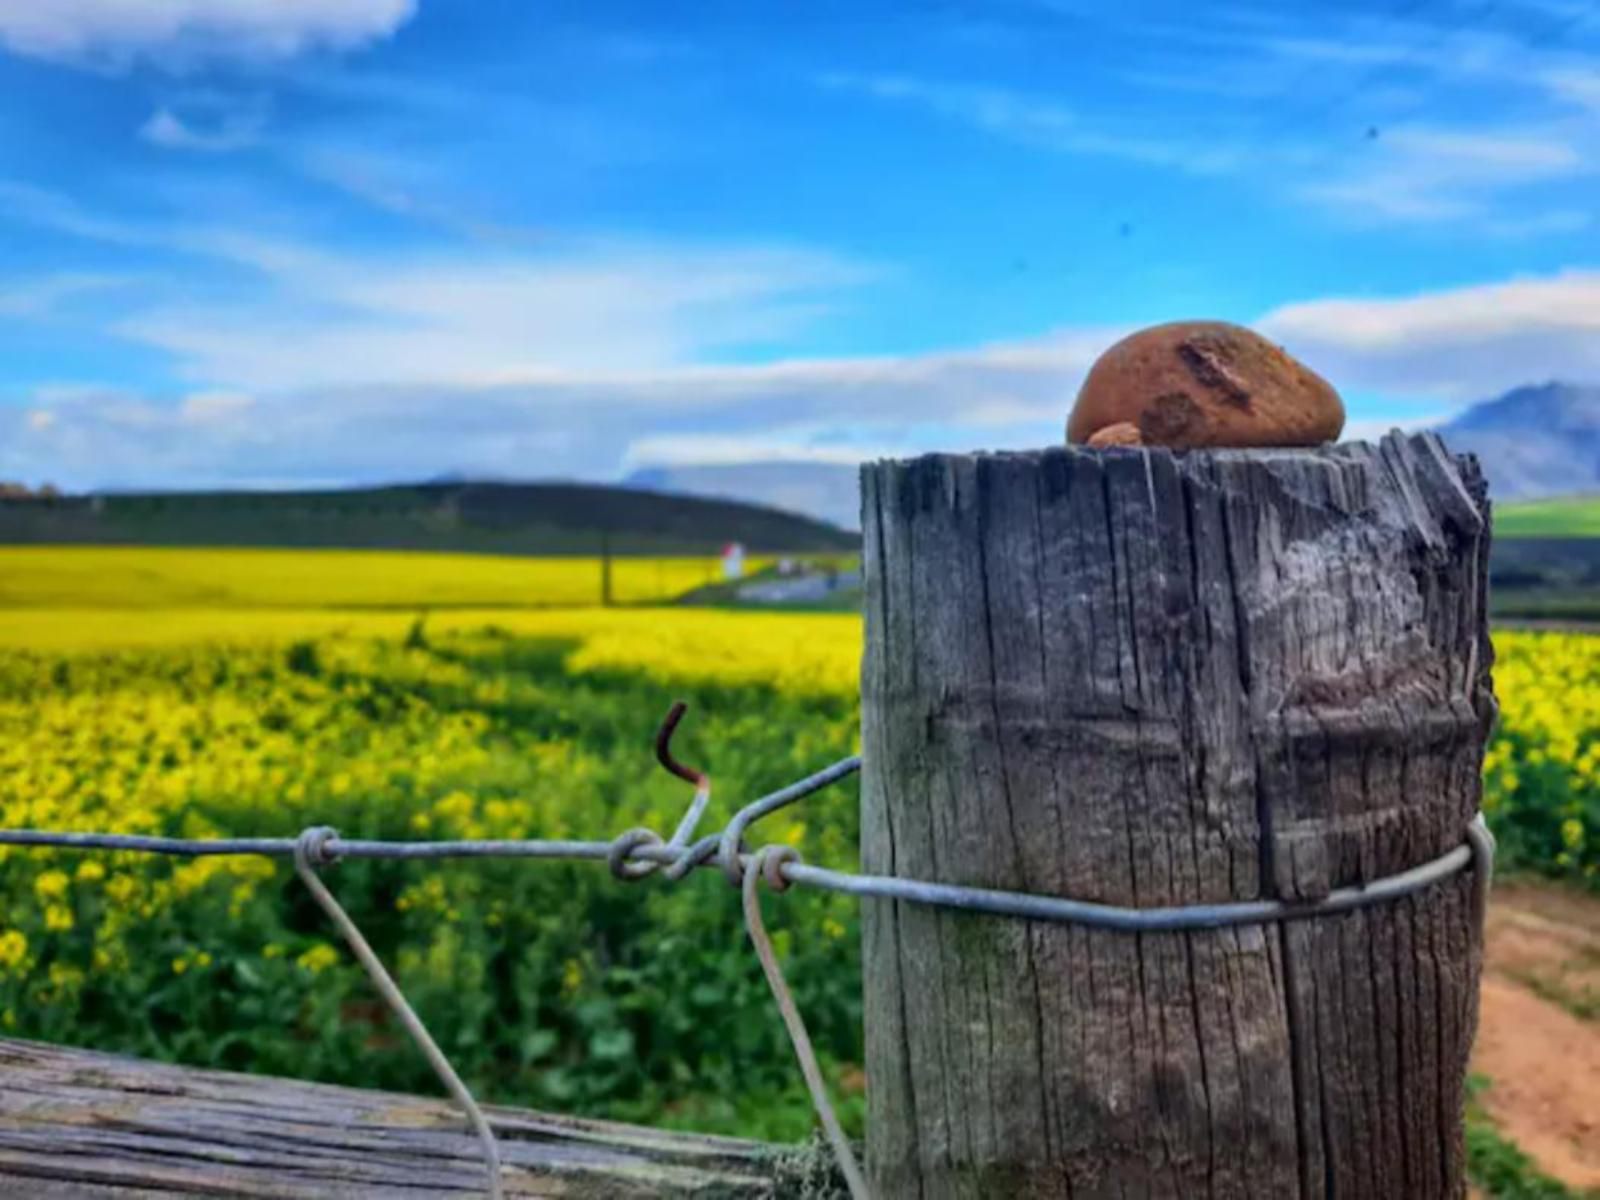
{"x": 315, "y": 846}
{"x": 618, "y": 857}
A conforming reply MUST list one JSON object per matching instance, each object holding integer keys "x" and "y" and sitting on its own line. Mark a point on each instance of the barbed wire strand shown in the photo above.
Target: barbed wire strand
{"x": 310, "y": 852}
{"x": 768, "y": 865}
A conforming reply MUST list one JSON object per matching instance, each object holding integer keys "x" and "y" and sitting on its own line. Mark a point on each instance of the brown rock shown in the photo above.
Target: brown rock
{"x": 1203, "y": 383}
{"x": 1121, "y": 434}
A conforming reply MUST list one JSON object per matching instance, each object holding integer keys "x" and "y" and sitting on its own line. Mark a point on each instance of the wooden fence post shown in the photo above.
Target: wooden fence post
{"x": 1148, "y": 678}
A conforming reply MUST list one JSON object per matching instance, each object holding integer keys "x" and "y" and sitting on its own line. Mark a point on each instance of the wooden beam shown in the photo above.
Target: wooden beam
{"x": 75, "y": 1123}
{"x": 1146, "y": 678}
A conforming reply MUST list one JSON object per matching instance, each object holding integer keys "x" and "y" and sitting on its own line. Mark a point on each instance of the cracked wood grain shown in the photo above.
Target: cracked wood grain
{"x": 86, "y": 1126}
{"x": 1149, "y": 678}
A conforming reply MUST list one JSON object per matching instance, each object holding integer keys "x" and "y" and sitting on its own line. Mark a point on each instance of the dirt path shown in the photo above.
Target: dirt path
{"x": 1539, "y": 1032}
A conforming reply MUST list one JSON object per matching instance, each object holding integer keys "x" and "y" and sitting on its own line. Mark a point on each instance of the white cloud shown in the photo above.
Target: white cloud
{"x": 42, "y": 296}
{"x": 1574, "y": 85}
{"x": 214, "y": 407}
{"x": 1481, "y": 177}
{"x": 313, "y": 317}
{"x": 207, "y": 122}
{"x": 1458, "y": 344}
{"x": 343, "y": 365}
{"x": 181, "y": 31}
{"x": 711, "y": 449}
{"x": 333, "y": 320}
{"x": 1436, "y": 350}
{"x": 561, "y": 423}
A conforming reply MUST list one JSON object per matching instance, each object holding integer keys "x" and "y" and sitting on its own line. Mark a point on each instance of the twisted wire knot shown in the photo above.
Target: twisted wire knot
{"x": 315, "y": 846}
{"x": 769, "y": 862}
{"x": 623, "y": 845}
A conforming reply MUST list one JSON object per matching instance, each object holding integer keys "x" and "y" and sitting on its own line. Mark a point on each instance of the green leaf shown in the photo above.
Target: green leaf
{"x": 611, "y": 1044}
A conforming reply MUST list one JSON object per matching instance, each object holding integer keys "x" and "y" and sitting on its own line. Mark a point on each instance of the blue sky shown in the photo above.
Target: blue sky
{"x": 277, "y": 242}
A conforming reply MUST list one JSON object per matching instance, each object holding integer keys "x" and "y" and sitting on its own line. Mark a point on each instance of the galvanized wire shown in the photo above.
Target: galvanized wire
{"x": 311, "y": 851}
{"x": 768, "y": 864}
{"x": 640, "y": 852}
{"x": 644, "y": 848}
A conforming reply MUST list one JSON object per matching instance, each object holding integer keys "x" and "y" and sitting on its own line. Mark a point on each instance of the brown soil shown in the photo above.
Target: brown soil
{"x": 1539, "y": 1031}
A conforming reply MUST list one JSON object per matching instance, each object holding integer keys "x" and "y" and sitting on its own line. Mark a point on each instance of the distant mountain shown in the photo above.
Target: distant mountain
{"x": 1534, "y": 441}
{"x": 826, "y": 491}
{"x": 490, "y": 518}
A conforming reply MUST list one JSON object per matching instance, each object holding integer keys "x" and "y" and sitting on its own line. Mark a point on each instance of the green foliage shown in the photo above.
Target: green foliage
{"x": 548, "y": 984}
{"x": 417, "y": 634}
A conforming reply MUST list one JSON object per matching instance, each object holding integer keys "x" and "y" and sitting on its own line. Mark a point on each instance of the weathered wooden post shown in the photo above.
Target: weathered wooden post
{"x": 1148, "y": 678}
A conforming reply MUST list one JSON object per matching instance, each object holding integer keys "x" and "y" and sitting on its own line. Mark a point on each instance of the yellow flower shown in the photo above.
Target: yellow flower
{"x": 1572, "y": 833}
{"x": 90, "y": 871}
{"x": 319, "y": 958}
{"x": 571, "y": 976}
{"x": 51, "y": 885}
{"x": 58, "y": 918}
{"x": 13, "y": 949}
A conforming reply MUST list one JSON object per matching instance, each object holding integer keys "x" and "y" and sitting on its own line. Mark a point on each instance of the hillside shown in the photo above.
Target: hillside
{"x": 488, "y": 518}
{"x": 1534, "y": 441}
{"x": 828, "y": 491}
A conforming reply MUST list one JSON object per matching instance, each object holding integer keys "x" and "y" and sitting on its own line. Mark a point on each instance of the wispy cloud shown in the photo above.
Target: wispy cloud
{"x": 1421, "y": 174}
{"x": 720, "y": 449}
{"x": 1030, "y": 120}
{"x": 1575, "y": 86}
{"x": 403, "y": 187}
{"x": 41, "y": 296}
{"x": 208, "y": 122}
{"x": 342, "y": 320}
{"x": 182, "y": 32}
{"x": 562, "y": 422}
{"x": 319, "y": 316}
{"x": 1436, "y": 349}
{"x": 1456, "y": 344}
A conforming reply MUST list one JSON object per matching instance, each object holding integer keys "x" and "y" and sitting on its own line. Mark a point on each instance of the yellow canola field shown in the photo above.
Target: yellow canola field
{"x": 120, "y": 577}
{"x": 801, "y": 653}
{"x": 555, "y": 987}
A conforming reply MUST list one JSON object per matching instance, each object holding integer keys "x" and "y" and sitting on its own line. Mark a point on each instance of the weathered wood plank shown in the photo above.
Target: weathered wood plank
{"x": 1148, "y": 678}
{"x": 75, "y": 1123}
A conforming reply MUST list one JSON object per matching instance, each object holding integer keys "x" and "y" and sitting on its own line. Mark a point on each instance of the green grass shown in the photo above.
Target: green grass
{"x": 1499, "y": 1166}
{"x": 1576, "y": 999}
{"x": 1578, "y": 606}
{"x": 1564, "y": 516}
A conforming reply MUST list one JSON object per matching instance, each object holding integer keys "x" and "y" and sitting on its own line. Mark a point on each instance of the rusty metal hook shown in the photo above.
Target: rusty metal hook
{"x": 702, "y": 790}
{"x": 669, "y": 726}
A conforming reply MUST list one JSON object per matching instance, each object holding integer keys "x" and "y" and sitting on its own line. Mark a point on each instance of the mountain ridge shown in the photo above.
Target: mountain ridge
{"x": 1534, "y": 441}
